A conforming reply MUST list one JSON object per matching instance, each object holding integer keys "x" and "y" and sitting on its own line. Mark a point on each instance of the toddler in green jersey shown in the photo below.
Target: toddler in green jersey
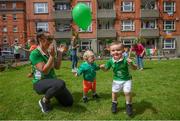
{"x": 121, "y": 76}
{"x": 88, "y": 68}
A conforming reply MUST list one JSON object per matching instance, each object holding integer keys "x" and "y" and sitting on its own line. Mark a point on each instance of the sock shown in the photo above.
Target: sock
{"x": 94, "y": 93}
{"x": 84, "y": 96}
{"x": 127, "y": 102}
{"x": 114, "y": 102}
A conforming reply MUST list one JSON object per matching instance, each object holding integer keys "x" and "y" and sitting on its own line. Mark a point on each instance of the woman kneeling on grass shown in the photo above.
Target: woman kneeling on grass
{"x": 45, "y": 81}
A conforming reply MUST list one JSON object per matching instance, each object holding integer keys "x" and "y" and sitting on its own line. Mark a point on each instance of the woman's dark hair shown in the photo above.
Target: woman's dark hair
{"x": 40, "y": 33}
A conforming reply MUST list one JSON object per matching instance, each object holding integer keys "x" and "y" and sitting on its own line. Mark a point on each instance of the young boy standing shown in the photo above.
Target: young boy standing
{"x": 121, "y": 78}
{"x": 88, "y": 69}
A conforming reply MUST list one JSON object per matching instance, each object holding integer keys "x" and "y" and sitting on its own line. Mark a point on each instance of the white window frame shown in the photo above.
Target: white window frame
{"x": 42, "y": 25}
{"x": 125, "y": 25}
{"x": 13, "y": 5}
{"x": 89, "y": 29}
{"x": 41, "y": 8}
{"x": 86, "y": 44}
{"x": 5, "y": 29}
{"x": 173, "y": 7}
{"x": 129, "y": 5}
{"x": 172, "y": 25}
{"x": 169, "y": 42}
{"x": 15, "y": 29}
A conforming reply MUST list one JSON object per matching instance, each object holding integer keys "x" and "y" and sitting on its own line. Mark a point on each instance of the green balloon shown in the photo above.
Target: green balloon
{"x": 81, "y": 14}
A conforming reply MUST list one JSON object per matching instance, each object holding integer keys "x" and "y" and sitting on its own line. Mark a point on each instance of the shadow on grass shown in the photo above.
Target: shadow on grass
{"x": 140, "y": 107}
{"x": 147, "y": 68}
{"x": 77, "y": 106}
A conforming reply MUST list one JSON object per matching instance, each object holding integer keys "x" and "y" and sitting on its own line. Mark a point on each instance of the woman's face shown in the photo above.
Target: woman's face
{"x": 46, "y": 41}
{"x": 73, "y": 38}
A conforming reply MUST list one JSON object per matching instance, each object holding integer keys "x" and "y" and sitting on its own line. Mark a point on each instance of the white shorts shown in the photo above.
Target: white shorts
{"x": 119, "y": 85}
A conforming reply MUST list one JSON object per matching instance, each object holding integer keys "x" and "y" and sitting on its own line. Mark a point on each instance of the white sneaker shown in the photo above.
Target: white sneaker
{"x": 72, "y": 70}
{"x": 76, "y": 69}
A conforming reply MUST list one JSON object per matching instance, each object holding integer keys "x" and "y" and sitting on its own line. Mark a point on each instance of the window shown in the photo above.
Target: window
{"x": 169, "y": 43}
{"x": 169, "y": 7}
{"x": 16, "y": 40}
{"x": 169, "y": 25}
{"x": 127, "y": 25}
{"x": 13, "y": 5}
{"x": 105, "y": 24}
{"x": 148, "y": 4}
{"x": 14, "y": 17}
{"x": 85, "y": 45}
{"x": 89, "y": 29}
{"x": 127, "y": 6}
{"x": 127, "y": 42}
{"x": 3, "y": 6}
{"x": 15, "y": 29}
{"x": 62, "y": 27}
{"x": 4, "y": 17}
{"x": 4, "y": 29}
{"x": 42, "y": 25}
{"x": 5, "y": 40}
{"x": 62, "y": 6}
{"x": 149, "y": 24}
{"x": 40, "y": 8}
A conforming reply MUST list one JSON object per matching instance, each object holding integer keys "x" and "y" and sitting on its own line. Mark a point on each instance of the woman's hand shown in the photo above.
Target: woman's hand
{"x": 51, "y": 50}
{"x": 62, "y": 48}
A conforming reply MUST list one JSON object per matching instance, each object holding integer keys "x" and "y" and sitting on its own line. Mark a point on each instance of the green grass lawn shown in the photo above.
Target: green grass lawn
{"x": 156, "y": 95}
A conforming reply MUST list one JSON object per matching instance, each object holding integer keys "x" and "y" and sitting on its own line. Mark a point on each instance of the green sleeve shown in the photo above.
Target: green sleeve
{"x": 80, "y": 70}
{"x": 97, "y": 66}
{"x": 108, "y": 64}
{"x": 35, "y": 58}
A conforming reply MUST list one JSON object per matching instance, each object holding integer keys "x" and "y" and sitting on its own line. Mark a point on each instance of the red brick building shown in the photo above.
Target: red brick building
{"x": 39, "y": 15}
{"x": 12, "y": 23}
{"x": 157, "y": 21}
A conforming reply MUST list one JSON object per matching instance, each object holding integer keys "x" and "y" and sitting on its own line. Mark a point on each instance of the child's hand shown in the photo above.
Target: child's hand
{"x": 62, "y": 48}
{"x": 129, "y": 61}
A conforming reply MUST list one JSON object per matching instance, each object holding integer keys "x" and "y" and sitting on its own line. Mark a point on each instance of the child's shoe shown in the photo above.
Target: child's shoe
{"x": 95, "y": 96}
{"x": 114, "y": 107}
{"x": 129, "y": 110}
{"x": 85, "y": 99}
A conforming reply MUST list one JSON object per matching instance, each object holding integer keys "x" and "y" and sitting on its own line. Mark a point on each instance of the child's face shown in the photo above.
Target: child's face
{"x": 116, "y": 51}
{"x": 91, "y": 58}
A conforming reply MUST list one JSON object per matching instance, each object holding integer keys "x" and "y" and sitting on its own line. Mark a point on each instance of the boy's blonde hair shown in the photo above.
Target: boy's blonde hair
{"x": 117, "y": 43}
{"x": 87, "y": 54}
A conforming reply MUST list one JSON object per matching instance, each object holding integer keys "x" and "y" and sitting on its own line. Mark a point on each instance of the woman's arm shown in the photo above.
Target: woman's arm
{"x": 102, "y": 67}
{"x": 57, "y": 63}
{"x": 46, "y": 67}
